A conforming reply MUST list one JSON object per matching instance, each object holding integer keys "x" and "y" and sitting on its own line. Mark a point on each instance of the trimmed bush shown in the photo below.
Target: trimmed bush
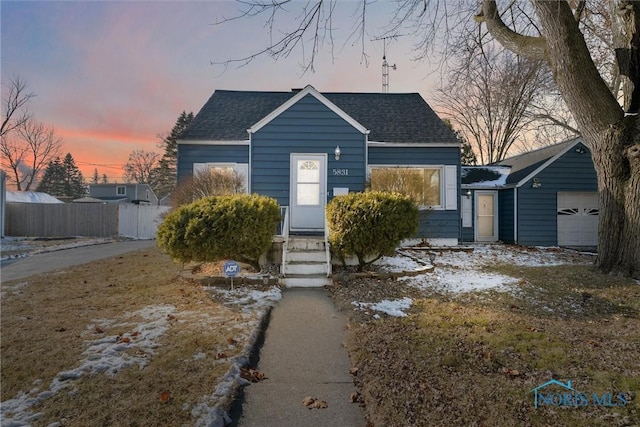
{"x": 370, "y": 225}
{"x": 239, "y": 227}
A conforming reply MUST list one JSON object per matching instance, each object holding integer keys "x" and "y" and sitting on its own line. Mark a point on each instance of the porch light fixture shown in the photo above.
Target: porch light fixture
{"x": 337, "y": 152}
{"x": 536, "y": 183}
{"x": 468, "y": 194}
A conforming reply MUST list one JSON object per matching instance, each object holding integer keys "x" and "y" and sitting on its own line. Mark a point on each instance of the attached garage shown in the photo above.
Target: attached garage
{"x": 577, "y": 219}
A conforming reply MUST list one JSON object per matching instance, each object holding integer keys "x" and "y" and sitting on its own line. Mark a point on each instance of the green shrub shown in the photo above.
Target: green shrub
{"x": 370, "y": 225}
{"x": 239, "y": 227}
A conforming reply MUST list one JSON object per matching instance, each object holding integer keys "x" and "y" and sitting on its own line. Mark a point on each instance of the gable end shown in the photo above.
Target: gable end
{"x": 308, "y": 90}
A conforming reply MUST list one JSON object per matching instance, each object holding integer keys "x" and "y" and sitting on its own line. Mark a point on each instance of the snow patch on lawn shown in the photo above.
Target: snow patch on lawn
{"x": 395, "y": 308}
{"x": 461, "y": 270}
{"x": 210, "y": 411}
{"x": 104, "y": 355}
{"x": 461, "y": 281}
{"x": 398, "y": 263}
{"x": 28, "y": 247}
{"x": 248, "y": 299}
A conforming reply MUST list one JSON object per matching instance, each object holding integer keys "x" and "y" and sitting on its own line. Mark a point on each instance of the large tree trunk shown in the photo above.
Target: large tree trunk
{"x": 616, "y": 157}
{"x": 614, "y": 139}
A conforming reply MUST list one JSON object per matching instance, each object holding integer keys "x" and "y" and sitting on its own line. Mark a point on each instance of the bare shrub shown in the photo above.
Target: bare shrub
{"x": 213, "y": 182}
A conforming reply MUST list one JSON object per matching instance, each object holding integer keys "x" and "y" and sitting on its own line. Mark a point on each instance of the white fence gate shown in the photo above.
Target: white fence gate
{"x": 139, "y": 221}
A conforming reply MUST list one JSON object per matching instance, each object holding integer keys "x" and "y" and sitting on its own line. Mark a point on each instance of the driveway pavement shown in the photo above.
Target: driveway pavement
{"x": 58, "y": 260}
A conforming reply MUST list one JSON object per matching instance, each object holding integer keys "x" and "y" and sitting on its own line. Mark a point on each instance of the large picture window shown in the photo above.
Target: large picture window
{"x": 238, "y": 172}
{"x": 422, "y": 184}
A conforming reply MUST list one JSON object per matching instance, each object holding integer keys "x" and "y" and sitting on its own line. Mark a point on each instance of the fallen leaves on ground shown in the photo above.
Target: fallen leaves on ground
{"x": 313, "y": 403}
{"x": 252, "y": 375}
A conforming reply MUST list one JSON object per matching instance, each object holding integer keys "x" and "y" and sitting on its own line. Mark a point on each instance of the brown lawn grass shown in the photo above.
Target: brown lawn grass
{"x": 473, "y": 359}
{"x": 47, "y": 321}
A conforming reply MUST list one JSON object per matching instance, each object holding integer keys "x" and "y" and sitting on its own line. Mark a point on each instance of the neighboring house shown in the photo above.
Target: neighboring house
{"x": 304, "y": 147}
{"x": 123, "y": 193}
{"x": 547, "y": 197}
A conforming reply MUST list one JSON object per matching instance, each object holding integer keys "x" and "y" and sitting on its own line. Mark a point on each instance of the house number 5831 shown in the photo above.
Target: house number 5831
{"x": 341, "y": 172}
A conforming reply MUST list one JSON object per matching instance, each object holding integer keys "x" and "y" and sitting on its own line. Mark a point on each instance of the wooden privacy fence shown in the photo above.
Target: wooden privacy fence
{"x": 82, "y": 219}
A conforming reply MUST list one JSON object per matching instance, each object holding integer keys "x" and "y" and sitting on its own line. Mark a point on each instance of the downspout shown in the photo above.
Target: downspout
{"x": 250, "y": 171}
{"x": 515, "y": 215}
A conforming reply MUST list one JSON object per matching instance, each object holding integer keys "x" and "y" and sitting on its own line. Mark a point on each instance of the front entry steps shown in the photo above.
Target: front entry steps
{"x": 305, "y": 262}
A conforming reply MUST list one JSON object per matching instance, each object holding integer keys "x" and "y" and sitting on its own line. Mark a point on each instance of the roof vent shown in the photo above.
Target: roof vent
{"x": 296, "y": 90}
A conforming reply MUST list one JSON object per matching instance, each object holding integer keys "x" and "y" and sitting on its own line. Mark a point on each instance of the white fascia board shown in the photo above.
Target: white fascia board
{"x": 413, "y": 144}
{"x": 308, "y": 90}
{"x": 547, "y": 163}
{"x": 211, "y": 142}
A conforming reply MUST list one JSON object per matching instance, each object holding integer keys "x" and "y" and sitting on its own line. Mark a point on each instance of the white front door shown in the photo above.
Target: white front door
{"x": 308, "y": 195}
{"x": 486, "y": 216}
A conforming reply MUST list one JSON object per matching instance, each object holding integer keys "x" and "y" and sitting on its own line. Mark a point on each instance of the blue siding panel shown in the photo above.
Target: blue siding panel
{"x": 439, "y": 224}
{"x": 505, "y": 215}
{"x": 537, "y": 207}
{"x": 414, "y": 155}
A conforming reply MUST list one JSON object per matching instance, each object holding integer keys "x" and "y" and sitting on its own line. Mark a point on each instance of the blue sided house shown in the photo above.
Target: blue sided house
{"x": 304, "y": 147}
{"x": 546, "y": 197}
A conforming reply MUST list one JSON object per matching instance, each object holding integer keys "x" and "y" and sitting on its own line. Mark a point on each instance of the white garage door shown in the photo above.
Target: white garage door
{"x": 577, "y": 219}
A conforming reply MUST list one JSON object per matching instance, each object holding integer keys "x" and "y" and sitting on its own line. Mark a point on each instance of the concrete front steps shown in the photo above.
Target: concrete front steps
{"x": 305, "y": 263}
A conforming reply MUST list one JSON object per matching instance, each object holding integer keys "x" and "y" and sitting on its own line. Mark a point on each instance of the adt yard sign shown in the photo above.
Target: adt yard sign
{"x": 231, "y": 269}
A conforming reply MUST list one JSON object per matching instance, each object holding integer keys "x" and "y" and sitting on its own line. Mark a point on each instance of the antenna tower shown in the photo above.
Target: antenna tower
{"x": 385, "y": 64}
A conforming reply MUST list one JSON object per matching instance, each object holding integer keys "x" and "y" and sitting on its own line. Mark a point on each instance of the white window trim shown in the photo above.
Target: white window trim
{"x": 442, "y": 204}
{"x": 124, "y": 190}
{"x": 242, "y": 168}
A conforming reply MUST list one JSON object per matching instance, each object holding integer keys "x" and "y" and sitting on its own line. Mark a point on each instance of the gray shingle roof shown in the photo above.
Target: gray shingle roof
{"x": 405, "y": 117}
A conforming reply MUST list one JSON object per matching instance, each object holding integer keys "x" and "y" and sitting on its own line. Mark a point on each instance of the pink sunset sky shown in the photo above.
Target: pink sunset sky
{"x": 112, "y": 76}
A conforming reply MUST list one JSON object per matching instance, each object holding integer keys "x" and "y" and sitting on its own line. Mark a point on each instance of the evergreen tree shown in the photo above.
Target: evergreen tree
{"x": 104, "y": 178}
{"x": 63, "y": 179}
{"x": 164, "y": 177}
{"x": 75, "y": 185}
{"x": 53, "y": 180}
{"x": 96, "y": 178}
{"x": 467, "y": 156}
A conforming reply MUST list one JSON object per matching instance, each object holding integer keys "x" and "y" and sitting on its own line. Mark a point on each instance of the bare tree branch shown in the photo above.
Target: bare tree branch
{"x": 140, "y": 165}
{"x": 14, "y": 112}
{"x": 490, "y": 100}
{"x": 311, "y": 22}
{"x": 29, "y": 152}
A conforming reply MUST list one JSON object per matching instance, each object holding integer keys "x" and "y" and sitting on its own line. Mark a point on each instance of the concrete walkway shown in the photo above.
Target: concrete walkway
{"x": 303, "y": 355}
